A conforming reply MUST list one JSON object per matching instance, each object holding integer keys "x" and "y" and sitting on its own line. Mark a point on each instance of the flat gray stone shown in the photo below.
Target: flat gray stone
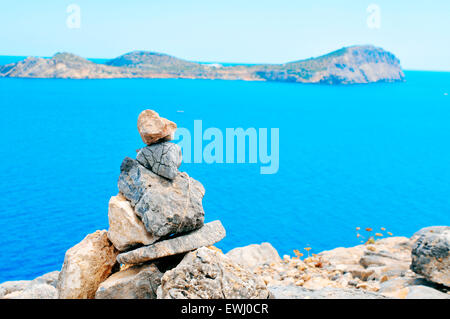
{"x": 137, "y": 282}
{"x": 423, "y": 292}
{"x": 164, "y": 206}
{"x": 162, "y": 159}
{"x": 209, "y": 274}
{"x": 208, "y": 235}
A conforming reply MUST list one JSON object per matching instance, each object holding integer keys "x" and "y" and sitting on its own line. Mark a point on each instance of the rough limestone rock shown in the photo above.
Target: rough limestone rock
{"x": 408, "y": 287}
{"x": 431, "y": 255}
{"x": 162, "y": 158}
{"x": 399, "y": 283}
{"x": 165, "y": 207}
{"x": 386, "y": 257}
{"x": 36, "y": 291}
{"x": 425, "y": 230}
{"x": 153, "y": 128}
{"x": 135, "y": 179}
{"x": 125, "y": 228}
{"x": 384, "y": 251}
{"x": 424, "y": 292}
{"x": 15, "y": 289}
{"x": 10, "y": 287}
{"x": 50, "y": 278}
{"x": 137, "y": 282}
{"x": 207, "y": 235}
{"x": 252, "y": 256}
{"x": 86, "y": 265}
{"x": 209, "y": 274}
{"x": 383, "y": 257}
{"x": 296, "y": 292}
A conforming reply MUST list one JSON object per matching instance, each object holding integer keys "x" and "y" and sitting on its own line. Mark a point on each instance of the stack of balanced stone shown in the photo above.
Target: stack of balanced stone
{"x": 155, "y": 223}
{"x": 158, "y": 206}
{"x": 158, "y": 212}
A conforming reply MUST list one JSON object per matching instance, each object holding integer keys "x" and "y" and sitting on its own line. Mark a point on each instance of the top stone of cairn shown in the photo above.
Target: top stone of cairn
{"x": 154, "y": 128}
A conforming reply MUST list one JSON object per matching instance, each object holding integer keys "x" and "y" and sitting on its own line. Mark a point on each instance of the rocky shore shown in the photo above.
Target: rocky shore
{"x": 349, "y": 65}
{"x": 158, "y": 246}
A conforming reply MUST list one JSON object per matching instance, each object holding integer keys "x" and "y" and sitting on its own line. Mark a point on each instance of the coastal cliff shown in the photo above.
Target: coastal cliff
{"x": 350, "y": 65}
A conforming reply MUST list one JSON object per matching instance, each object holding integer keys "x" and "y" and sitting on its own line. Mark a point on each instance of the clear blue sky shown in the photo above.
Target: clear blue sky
{"x": 418, "y": 32}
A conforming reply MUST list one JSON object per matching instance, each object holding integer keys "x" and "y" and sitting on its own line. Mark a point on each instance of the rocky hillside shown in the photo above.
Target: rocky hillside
{"x": 158, "y": 246}
{"x": 61, "y": 66}
{"x": 357, "y": 64}
{"x": 153, "y": 61}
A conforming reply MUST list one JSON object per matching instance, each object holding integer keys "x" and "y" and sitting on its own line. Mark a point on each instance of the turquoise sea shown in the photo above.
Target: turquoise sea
{"x": 350, "y": 156}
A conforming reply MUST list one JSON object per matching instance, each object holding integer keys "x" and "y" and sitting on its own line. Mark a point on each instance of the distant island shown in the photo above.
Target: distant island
{"x": 349, "y": 65}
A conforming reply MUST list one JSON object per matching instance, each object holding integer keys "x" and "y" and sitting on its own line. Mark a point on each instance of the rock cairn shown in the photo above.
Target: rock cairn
{"x": 157, "y": 244}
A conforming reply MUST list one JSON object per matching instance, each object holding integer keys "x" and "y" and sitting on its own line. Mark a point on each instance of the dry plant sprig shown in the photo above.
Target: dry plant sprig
{"x": 370, "y": 239}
